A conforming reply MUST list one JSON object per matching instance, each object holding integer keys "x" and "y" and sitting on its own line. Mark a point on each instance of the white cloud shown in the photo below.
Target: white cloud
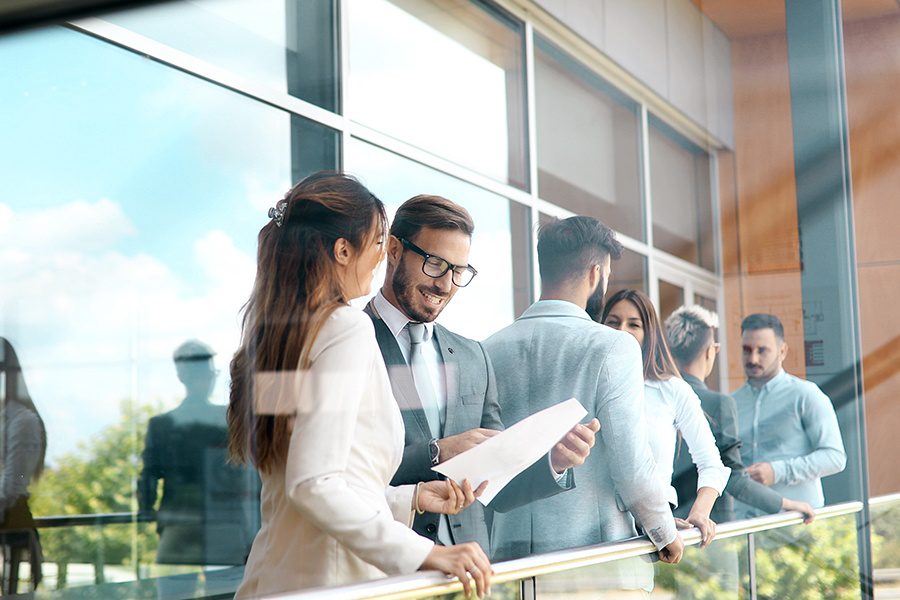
{"x": 94, "y": 326}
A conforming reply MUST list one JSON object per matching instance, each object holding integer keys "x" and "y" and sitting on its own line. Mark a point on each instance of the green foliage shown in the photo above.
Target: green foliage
{"x": 98, "y": 477}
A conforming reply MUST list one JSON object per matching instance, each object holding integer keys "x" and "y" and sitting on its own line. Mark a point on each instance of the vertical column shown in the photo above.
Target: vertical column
{"x": 827, "y": 250}
{"x": 313, "y": 75}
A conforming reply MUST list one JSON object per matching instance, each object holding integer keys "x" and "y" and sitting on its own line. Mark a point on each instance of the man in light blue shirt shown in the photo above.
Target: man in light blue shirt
{"x": 788, "y": 425}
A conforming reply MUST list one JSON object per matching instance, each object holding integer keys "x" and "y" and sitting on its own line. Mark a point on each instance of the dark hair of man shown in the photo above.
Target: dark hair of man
{"x": 763, "y": 321}
{"x": 296, "y": 288}
{"x": 430, "y": 212}
{"x": 567, "y": 248}
{"x": 688, "y": 334}
{"x": 658, "y": 362}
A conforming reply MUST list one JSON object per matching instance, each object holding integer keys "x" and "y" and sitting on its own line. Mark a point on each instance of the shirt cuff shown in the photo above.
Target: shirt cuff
{"x": 559, "y": 477}
{"x": 779, "y": 469}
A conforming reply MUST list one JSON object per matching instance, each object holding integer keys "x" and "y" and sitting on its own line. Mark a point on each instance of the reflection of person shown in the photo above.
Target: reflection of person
{"x": 691, "y": 331}
{"x": 203, "y": 514}
{"x": 788, "y": 425}
{"x": 311, "y": 406}
{"x": 24, "y": 445}
{"x": 553, "y": 352}
{"x": 451, "y": 404}
{"x": 673, "y": 409}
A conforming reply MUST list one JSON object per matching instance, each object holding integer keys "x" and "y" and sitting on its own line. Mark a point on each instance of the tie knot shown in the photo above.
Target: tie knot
{"x": 418, "y": 333}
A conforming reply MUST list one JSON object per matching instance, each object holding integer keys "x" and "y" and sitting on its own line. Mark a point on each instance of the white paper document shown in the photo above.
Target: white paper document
{"x": 499, "y": 459}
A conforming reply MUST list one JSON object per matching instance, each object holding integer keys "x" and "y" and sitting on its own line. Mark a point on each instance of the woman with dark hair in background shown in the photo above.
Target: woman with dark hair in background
{"x": 311, "y": 406}
{"x": 24, "y": 446}
{"x": 671, "y": 408}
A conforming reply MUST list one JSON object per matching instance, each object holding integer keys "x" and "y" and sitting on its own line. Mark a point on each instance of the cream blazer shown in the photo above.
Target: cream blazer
{"x": 329, "y": 517}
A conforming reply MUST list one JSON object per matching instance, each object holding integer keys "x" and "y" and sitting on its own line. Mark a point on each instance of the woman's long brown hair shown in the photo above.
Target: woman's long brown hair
{"x": 658, "y": 362}
{"x": 296, "y": 289}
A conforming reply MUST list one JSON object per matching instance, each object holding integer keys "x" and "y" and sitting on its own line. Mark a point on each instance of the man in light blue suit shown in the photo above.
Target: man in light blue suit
{"x": 553, "y": 352}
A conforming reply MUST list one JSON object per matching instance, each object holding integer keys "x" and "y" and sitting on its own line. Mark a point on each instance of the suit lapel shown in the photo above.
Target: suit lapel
{"x": 450, "y": 365}
{"x": 400, "y": 376}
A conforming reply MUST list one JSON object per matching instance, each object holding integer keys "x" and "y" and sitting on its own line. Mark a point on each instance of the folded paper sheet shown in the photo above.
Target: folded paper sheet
{"x": 499, "y": 459}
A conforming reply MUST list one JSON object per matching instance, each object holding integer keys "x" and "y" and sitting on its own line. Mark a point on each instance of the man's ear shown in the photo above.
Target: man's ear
{"x": 394, "y": 250}
{"x": 784, "y": 350}
{"x": 343, "y": 252}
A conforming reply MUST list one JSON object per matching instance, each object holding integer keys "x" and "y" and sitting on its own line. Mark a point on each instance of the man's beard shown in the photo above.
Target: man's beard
{"x": 405, "y": 291}
{"x": 595, "y": 303}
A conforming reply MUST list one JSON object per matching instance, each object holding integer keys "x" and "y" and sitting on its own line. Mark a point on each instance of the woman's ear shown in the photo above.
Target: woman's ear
{"x": 343, "y": 252}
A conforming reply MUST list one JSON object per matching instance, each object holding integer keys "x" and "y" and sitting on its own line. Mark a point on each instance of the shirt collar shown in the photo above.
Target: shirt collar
{"x": 770, "y": 384}
{"x": 393, "y": 317}
{"x": 555, "y": 308}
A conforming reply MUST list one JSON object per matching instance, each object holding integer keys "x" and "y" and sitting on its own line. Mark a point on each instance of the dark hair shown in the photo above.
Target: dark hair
{"x": 568, "y": 247}
{"x": 295, "y": 290}
{"x": 431, "y": 212}
{"x": 658, "y": 361}
{"x": 763, "y": 321}
{"x": 690, "y": 330}
{"x": 16, "y": 391}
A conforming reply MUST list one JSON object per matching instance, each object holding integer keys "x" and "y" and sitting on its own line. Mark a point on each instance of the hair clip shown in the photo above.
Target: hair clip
{"x": 276, "y": 213}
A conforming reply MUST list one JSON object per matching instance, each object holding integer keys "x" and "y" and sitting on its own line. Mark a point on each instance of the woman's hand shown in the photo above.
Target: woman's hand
{"x": 706, "y": 526}
{"x": 463, "y": 561}
{"x": 446, "y": 497}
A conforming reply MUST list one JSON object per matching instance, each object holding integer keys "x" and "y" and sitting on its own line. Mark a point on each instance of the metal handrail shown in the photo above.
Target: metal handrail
{"x": 432, "y": 583}
{"x": 118, "y": 518}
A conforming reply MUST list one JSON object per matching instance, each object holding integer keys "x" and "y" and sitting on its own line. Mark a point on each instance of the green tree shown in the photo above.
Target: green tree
{"x": 98, "y": 477}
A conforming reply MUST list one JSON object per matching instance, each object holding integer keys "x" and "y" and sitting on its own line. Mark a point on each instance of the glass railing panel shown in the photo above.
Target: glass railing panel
{"x": 814, "y": 562}
{"x": 884, "y": 519}
{"x": 717, "y": 572}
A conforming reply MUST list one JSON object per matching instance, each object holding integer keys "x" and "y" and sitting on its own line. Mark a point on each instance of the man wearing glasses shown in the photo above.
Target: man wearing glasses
{"x": 443, "y": 382}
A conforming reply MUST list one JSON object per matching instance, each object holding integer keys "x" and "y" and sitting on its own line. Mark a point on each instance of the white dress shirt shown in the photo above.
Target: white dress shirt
{"x": 671, "y": 406}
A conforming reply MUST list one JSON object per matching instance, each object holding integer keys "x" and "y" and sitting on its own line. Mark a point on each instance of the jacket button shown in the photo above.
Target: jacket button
{"x": 431, "y": 528}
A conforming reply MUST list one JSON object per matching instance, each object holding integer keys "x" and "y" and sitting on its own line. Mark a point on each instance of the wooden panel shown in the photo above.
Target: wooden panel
{"x": 737, "y": 20}
{"x": 764, "y": 150}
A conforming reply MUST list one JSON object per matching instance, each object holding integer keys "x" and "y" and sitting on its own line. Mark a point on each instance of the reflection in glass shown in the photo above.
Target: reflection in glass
{"x": 885, "y": 520}
{"x": 487, "y": 304}
{"x": 682, "y": 199}
{"x": 132, "y": 230}
{"x": 287, "y": 45}
{"x": 446, "y": 76}
{"x": 587, "y": 142}
{"x": 201, "y": 518}
{"x": 23, "y": 446}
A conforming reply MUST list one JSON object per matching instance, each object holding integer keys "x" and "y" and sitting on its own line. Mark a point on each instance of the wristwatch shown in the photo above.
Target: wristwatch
{"x": 435, "y": 451}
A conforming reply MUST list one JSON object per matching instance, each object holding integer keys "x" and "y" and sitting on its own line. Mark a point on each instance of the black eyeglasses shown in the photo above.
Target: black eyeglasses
{"x": 435, "y": 266}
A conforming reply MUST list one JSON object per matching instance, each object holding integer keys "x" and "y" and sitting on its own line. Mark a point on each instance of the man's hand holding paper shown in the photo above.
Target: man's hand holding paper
{"x": 504, "y": 455}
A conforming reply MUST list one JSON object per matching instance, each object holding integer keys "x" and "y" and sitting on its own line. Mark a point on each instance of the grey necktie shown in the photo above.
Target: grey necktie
{"x": 418, "y": 337}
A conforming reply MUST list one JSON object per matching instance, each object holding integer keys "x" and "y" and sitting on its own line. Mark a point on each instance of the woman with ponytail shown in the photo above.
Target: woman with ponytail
{"x": 311, "y": 407}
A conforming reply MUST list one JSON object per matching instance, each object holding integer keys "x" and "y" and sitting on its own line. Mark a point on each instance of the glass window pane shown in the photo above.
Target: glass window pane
{"x": 446, "y": 76}
{"x": 129, "y": 213}
{"x": 520, "y": 228}
{"x": 682, "y": 200}
{"x": 587, "y": 142}
{"x": 629, "y": 272}
{"x": 487, "y": 304}
{"x": 288, "y": 45}
{"x": 671, "y": 296}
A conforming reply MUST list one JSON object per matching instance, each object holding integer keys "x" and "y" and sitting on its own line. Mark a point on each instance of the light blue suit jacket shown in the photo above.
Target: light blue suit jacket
{"x": 554, "y": 352}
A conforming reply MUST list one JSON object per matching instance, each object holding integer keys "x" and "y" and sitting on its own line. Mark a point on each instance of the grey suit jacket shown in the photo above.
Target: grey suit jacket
{"x": 554, "y": 352}
{"x": 471, "y": 403}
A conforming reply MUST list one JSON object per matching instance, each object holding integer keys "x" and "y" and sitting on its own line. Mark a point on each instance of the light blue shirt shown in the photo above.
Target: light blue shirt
{"x": 790, "y": 423}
